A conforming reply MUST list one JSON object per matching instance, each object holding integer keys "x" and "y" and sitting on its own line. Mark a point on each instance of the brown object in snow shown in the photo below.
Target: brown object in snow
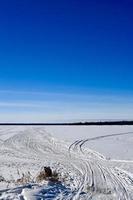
{"x": 48, "y": 171}
{"x": 48, "y": 175}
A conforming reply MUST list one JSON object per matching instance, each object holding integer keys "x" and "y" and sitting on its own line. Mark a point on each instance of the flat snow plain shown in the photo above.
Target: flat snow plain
{"x": 94, "y": 162}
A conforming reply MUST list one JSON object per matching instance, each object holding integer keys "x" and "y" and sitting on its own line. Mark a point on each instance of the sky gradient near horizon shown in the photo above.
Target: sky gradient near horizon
{"x": 66, "y": 60}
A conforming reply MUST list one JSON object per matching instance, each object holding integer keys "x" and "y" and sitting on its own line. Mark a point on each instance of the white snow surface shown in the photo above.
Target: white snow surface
{"x": 94, "y": 162}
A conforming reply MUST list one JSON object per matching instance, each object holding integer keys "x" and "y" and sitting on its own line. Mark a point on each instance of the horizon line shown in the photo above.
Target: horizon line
{"x": 86, "y": 123}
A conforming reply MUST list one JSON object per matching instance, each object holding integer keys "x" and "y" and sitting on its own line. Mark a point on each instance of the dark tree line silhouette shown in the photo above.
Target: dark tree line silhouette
{"x": 87, "y": 123}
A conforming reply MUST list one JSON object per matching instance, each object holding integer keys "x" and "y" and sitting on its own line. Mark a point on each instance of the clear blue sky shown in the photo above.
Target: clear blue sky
{"x": 66, "y": 59}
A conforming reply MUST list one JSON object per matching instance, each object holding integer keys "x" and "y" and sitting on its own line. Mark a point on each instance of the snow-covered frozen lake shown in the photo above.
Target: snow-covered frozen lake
{"x": 94, "y": 162}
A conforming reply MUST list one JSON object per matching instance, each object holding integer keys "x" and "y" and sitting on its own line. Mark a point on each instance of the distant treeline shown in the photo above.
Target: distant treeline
{"x": 96, "y": 123}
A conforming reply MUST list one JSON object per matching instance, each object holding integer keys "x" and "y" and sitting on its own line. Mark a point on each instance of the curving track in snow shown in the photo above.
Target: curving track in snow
{"x": 101, "y": 179}
{"x": 88, "y": 174}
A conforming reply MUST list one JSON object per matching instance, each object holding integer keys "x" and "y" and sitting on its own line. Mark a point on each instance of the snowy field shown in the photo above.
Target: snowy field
{"x": 92, "y": 162}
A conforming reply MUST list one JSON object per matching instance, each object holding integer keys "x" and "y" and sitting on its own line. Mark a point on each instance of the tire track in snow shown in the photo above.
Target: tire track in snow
{"x": 118, "y": 184}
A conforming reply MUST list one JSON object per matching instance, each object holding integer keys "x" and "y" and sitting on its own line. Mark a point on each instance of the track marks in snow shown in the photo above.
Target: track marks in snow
{"x": 104, "y": 179}
{"x": 90, "y": 174}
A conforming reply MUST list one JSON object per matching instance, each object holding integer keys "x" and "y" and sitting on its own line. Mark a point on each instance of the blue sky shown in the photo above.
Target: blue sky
{"x": 66, "y": 60}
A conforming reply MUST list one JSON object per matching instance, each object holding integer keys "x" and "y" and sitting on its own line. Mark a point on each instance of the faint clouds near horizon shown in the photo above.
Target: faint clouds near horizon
{"x": 25, "y": 106}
